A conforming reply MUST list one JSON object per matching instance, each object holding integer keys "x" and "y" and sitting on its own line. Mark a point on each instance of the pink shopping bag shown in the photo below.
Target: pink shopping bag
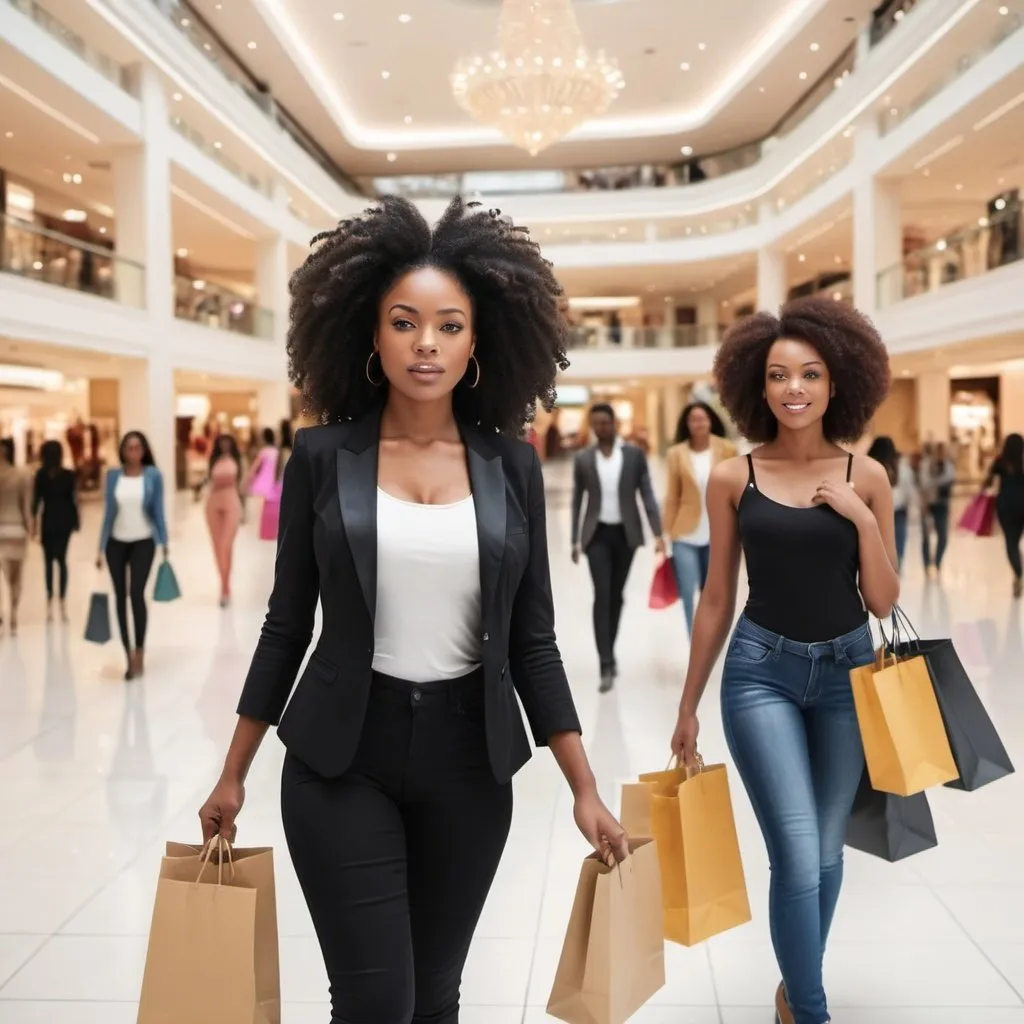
{"x": 979, "y": 516}
{"x": 664, "y": 589}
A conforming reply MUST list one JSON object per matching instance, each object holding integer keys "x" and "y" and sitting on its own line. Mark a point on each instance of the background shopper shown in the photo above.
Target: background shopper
{"x": 815, "y": 527}
{"x": 611, "y": 474}
{"x": 1008, "y": 468}
{"x": 56, "y": 493}
{"x": 935, "y": 479}
{"x": 15, "y": 525}
{"x": 901, "y": 478}
{"x": 133, "y": 524}
{"x": 224, "y": 507}
{"x": 700, "y": 446}
{"x": 417, "y": 520}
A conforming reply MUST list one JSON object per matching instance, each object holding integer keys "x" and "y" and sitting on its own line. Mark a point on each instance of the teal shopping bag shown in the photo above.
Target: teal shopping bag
{"x": 166, "y": 588}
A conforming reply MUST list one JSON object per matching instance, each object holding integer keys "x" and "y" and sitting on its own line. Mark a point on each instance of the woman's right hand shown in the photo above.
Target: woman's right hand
{"x": 684, "y": 739}
{"x": 99, "y": 561}
{"x": 217, "y": 816}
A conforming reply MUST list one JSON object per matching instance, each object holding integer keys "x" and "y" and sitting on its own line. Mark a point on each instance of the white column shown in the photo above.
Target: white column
{"x": 772, "y": 284}
{"x": 707, "y": 320}
{"x": 877, "y": 227}
{"x": 272, "y": 284}
{"x": 671, "y": 407}
{"x": 933, "y": 407}
{"x": 142, "y": 182}
{"x": 146, "y": 402}
{"x": 273, "y": 404}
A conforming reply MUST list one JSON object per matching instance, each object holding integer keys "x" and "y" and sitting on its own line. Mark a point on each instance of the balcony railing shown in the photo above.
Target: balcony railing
{"x": 991, "y": 243}
{"x": 891, "y": 119}
{"x": 193, "y": 26}
{"x": 211, "y": 305}
{"x": 106, "y": 66}
{"x": 677, "y": 336}
{"x": 261, "y": 184}
{"x": 31, "y": 251}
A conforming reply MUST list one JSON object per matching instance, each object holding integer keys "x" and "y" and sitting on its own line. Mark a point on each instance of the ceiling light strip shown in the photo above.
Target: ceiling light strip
{"x": 51, "y": 112}
{"x": 1000, "y": 112}
{"x": 946, "y": 147}
{"x": 210, "y": 212}
{"x": 121, "y": 24}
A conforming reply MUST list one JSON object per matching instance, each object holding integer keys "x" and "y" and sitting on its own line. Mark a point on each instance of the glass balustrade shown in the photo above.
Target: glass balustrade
{"x": 891, "y": 119}
{"x": 991, "y": 243}
{"x": 261, "y": 183}
{"x": 31, "y": 251}
{"x": 211, "y": 305}
{"x": 601, "y": 336}
{"x": 106, "y": 66}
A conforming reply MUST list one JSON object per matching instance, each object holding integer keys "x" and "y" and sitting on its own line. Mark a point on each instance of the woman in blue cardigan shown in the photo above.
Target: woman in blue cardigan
{"x": 133, "y": 524}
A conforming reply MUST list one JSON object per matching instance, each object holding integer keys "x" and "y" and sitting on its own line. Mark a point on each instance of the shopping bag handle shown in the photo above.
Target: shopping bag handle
{"x": 222, "y": 846}
{"x": 696, "y": 769}
{"x": 900, "y": 624}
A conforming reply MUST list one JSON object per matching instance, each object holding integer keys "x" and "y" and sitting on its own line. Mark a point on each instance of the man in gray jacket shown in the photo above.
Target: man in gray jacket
{"x": 611, "y": 474}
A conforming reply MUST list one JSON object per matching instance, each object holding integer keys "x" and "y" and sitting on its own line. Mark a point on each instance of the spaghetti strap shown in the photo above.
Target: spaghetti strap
{"x": 849, "y": 468}
{"x": 751, "y": 479}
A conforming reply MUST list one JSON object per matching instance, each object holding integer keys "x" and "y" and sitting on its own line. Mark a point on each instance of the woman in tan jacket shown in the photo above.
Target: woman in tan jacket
{"x": 700, "y": 446}
{"x": 15, "y": 525}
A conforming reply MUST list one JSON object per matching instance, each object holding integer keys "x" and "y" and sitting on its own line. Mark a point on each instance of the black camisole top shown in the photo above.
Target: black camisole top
{"x": 802, "y": 567}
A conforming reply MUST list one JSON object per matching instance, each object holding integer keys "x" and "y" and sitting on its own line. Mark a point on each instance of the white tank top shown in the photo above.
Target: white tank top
{"x": 130, "y": 523}
{"x": 427, "y": 626}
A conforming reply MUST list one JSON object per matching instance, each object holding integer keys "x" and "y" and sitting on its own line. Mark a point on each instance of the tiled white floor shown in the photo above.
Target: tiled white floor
{"x": 96, "y": 775}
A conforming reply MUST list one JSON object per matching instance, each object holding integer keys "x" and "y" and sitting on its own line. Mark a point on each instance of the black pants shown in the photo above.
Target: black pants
{"x": 396, "y": 857}
{"x": 938, "y": 514}
{"x": 55, "y": 553}
{"x": 610, "y": 557}
{"x": 130, "y": 565}
{"x": 1011, "y": 520}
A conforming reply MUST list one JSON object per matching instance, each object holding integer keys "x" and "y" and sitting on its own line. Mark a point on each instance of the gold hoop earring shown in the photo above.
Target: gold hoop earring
{"x": 476, "y": 380}
{"x": 374, "y": 383}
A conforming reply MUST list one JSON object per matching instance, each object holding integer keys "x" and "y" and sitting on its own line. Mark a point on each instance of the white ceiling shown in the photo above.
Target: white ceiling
{"x": 329, "y": 73}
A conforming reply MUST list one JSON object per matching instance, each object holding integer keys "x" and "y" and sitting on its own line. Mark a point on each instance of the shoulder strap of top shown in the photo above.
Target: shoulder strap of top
{"x": 849, "y": 468}
{"x": 751, "y": 479}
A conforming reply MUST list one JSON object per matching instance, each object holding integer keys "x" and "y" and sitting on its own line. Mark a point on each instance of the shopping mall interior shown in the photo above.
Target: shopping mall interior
{"x": 164, "y": 165}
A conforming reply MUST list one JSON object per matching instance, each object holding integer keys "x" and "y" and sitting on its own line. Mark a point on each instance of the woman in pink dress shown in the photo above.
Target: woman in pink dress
{"x": 224, "y": 507}
{"x": 259, "y": 481}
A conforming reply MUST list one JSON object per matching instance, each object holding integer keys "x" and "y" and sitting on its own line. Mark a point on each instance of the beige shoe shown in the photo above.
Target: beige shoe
{"x": 783, "y": 1014}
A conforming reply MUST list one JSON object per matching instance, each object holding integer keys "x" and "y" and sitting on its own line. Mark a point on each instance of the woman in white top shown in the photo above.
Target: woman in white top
{"x": 415, "y": 517}
{"x": 133, "y": 525}
{"x": 700, "y": 446}
{"x": 15, "y": 523}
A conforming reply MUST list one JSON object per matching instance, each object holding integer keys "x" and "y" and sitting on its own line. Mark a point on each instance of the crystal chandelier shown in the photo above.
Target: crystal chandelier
{"x": 539, "y": 83}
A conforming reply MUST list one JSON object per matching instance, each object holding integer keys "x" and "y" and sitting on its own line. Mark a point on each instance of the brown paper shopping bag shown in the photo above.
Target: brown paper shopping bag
{"x": 213, "y": 952}
{"x": 905, "y": 742}
{"x": 613, "y": 957}
{"x": 703, "y": 888}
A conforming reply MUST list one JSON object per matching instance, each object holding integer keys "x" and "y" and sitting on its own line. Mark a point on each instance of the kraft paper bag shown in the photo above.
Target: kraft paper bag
{"x": 905, "y": 743}
{"x": 704, "y": 891}
{"x": 635, "y": 809}
{"x": 613, "y": 956}
{"x": 213, "y": 952}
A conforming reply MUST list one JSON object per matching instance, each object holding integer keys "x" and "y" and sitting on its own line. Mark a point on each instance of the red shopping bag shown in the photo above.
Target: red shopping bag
{"x": 979, "y": 516}
{"x": 664, "y": 589}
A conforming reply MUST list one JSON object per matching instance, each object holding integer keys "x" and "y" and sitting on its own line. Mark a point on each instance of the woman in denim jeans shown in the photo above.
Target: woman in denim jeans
{"x": 816, "y": 529}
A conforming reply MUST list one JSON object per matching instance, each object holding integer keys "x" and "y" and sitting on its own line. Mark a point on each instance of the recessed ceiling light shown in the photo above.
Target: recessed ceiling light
{"x": 839, "y": 260}
{"x": 803, "y": 76}
{"x": 959, "y": 187}
{"x": 761, "y": 89}
{"x": 815, "y": 47}
{"x": 837, "y": 296}
{"x": 392, "y": 157}
{"x": 983, "y": 222}
{"x": 218, "y": 145}
{"x": 407, "y": 119}
{"x": 702, "y": 47}
{"x": 103, "y": 231}
{"x": 927, "y": 172}
{"x": 802, "y": 258}
{"x": 685, "y": 66}
{"x": 8, "y": 135}
{"x": 181, "y": 253}
{"x": 686, "y": 150}
{"x": 1004, "y": 11}
{"x": 385, "y": 75}
{"x": 405, "y": 18}
{"x": 894, "y": 111}
{"x": 848, "y": 132}
{"x": 74, "y": 216}
{"x": 177, "y": 97}
{"x": 218, "y": 7}
{"x": 1000, "y": 203}
{"x": 251, "y": 45}
{"x": 338, "y": 16}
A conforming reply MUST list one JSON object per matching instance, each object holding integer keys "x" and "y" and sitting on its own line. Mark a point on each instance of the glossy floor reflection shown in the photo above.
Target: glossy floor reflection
{"x": 95, "y": 775}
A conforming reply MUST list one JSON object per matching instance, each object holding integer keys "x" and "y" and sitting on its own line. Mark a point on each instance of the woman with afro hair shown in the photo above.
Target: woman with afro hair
{"x": 416, "y": 517}
{"x": 815, "y": 527}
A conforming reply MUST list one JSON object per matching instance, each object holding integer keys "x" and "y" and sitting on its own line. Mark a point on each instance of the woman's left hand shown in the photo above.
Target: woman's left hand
{"x": 601, "y": 829}
{"x": 843, "y": 497}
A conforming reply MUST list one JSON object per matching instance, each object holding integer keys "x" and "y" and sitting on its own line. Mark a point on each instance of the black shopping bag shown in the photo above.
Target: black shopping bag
{"x": 977, "y": 749}
{"x": 97, "y": 625}
{"x": 889, "y": 826}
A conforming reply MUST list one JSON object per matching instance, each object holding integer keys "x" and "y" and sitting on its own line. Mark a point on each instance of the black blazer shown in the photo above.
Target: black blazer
{"x": 327, "y": 549}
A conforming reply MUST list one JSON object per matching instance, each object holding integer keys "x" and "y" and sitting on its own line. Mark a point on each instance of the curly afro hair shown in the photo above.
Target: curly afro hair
{"x": 847, "y": 341}
{"x": 518, "y": 312}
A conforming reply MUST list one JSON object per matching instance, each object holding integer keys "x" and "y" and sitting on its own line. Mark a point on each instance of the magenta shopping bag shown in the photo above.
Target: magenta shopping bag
{"x": 979, "y": 516}
{"x": 664, "y": 589}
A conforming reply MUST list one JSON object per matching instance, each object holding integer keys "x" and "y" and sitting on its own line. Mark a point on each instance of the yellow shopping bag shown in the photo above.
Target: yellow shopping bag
{"x": 905, "y": 742}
